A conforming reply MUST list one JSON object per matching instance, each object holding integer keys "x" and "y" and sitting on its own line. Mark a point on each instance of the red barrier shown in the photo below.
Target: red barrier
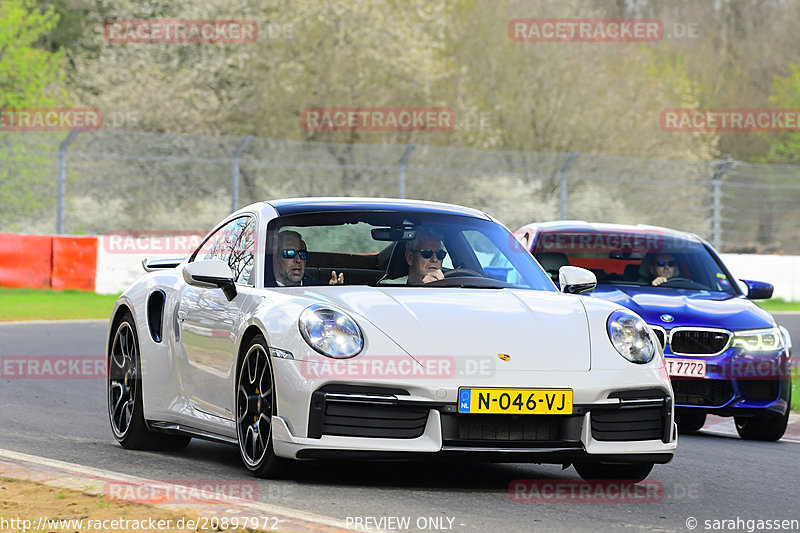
{"x": 47, "y": 261}
{"x": 25, "y": 260}
{"x": 74, "y": 263}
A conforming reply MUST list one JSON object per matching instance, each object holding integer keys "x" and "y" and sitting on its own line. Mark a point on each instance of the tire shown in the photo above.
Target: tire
{"x": 124, "y": 393}
{"x": 628, "y": 472}
{"x": 689, "y": 420}
{"x": 762, "y": 427}
{"x": 255, "y": 406}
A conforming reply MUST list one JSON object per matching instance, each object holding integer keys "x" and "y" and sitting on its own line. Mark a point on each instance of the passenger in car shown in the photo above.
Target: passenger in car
{"x": 290, "y": 262}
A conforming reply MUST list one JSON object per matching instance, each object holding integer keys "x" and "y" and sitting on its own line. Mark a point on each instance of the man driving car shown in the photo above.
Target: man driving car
{"x": 662, "y": 268}
{"x": 424, "y": 255}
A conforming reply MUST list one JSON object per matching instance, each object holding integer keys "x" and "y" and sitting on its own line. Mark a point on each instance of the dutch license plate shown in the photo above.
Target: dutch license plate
{"x": 515, "y": 401}
{"x": 686, "y": 368}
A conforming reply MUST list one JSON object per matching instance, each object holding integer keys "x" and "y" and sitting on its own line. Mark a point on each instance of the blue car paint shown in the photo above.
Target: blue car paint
{"x": 688, "y": 307}
{"x": 710, "y": 310}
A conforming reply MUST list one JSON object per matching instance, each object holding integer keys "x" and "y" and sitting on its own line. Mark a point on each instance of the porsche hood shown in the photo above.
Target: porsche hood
{"x": 527, "y": 330}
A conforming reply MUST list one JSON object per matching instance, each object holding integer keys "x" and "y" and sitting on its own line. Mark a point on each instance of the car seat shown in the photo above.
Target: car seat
{"x": 631, "y": 272}
{"x": 397, "y": 266}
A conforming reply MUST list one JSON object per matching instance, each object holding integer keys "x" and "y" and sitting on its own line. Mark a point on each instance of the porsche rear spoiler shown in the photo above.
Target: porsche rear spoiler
{"x": 161, "y": 264}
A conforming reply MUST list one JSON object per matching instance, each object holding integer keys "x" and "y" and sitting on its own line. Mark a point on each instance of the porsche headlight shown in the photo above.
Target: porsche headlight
{"x": 630, "y": 335}
{"x": 758, "y": 340}
{"x": 331, "y": 332}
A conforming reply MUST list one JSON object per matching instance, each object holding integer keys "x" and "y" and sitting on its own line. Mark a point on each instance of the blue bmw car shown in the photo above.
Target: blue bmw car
{"x": 725, "y": 355}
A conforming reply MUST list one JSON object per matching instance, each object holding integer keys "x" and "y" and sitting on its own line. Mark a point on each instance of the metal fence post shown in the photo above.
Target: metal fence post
{"x": 716, "y": 201}
{"x": 401, "y": 170}
{"x": 562, "y": 185}
{"x": 62, "y": 179}
{"x": 235, "y": 172}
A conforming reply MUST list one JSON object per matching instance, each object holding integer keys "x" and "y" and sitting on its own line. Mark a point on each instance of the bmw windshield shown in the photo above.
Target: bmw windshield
{"x": 642, "y": 259}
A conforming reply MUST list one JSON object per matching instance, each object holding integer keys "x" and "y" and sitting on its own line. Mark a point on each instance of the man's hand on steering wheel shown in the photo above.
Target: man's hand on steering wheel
{"x": 433, "y": 275}
{"x": 662, "y": 280}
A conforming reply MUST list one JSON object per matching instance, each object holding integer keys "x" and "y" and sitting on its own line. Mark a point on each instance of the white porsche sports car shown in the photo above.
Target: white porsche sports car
{"x": 383, "y": 329}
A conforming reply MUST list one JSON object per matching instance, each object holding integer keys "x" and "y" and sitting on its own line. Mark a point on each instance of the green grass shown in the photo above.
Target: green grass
{"x": 796, "y": 393}
{"x": 778, "y": 304}
{"x": 43, "y": 304}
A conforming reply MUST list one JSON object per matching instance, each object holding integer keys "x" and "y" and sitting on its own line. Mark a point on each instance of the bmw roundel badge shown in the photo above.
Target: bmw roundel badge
{"x": 667, "y": 318}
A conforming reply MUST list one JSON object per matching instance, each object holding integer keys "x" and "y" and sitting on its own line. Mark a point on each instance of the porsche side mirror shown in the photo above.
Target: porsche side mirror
{"x": 211, "y": 274}
{"x": 576, "y": 280}
{"x": 758, "y": 290}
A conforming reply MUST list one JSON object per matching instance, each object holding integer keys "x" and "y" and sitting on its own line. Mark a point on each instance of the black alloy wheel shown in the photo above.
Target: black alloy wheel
{"x": 255, "y": 406}
{"x": 125, "y": 409}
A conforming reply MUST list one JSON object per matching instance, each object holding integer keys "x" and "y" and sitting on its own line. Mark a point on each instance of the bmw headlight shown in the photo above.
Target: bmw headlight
{"x": 630, "y": 335}
{"x": 758, "y": 340}
{"x": 331, "y": 332}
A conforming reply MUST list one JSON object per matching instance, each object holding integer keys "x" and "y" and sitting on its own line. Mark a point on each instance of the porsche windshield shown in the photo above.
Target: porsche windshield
{"x": 400, "y": 249}
{"x": 620, "y": 258}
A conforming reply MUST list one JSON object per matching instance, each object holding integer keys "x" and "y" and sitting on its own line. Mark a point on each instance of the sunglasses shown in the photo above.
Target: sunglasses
{"x": 665, "y": 263}
{"x": 427, "y": 253}
{"x": 289, "y": 254}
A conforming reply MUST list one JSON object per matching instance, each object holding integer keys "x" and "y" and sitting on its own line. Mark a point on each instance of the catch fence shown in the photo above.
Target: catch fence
{"x": 106, "y": 181}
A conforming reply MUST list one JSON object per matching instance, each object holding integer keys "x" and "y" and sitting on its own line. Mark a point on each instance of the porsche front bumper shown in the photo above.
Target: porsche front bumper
{"x": 636, "y": 427}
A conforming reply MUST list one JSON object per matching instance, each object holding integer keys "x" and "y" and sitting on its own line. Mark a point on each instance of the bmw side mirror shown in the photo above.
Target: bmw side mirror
{"x": 576, "y": 280}
{"x": 211, "y": 274}
{"x": 758, "y": 290}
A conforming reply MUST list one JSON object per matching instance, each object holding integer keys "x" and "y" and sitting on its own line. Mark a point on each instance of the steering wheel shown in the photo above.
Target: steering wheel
{"x": 461, "y": 272}
{"x": 679, "y": 280}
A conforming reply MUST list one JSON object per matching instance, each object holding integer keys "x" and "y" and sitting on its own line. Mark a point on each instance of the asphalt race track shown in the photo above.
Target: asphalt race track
{"x": 713, "y": 476}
